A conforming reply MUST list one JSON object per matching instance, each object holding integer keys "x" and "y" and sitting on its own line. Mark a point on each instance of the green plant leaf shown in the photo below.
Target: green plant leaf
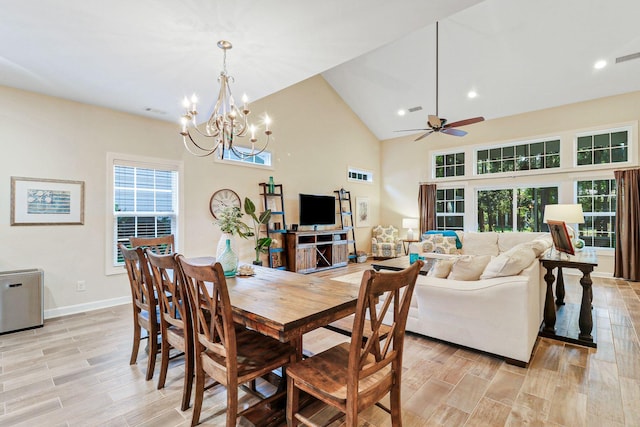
{"x": 249, "y": 206}
{"x": 264, "y": 217}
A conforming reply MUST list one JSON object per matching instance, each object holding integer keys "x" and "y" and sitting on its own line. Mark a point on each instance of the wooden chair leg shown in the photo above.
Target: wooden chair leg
{"x": 164, "y": 361}
{"x": 293, "y": 395}
{"x": 136, "y": 342}
{"x": 351, "y": 413}
{"x": 232, "y": 404}
{"x": 153, "y": 351}
{"x": 188, "y": 377}
{"x": 396, "y": 407}
{"x": 199, "y": 395}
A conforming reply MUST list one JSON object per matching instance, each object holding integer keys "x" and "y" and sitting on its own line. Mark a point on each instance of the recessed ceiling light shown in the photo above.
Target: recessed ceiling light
{"x": 401, "y": 112}
{"x": 472, "y": 94}
{"x": 600, "y": 64}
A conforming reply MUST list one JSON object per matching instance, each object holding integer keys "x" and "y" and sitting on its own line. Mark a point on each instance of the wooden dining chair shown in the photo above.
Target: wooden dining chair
{"x": 228, "y": 353}
{"x": 175, "y": 318}
{"x": 352, "y": 378}
{"x": 162, "y": 245}
{"x": 145, "y": 306}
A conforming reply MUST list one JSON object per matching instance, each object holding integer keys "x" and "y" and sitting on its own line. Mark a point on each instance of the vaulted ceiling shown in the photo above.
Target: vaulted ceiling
{"x": 144, "y": 56}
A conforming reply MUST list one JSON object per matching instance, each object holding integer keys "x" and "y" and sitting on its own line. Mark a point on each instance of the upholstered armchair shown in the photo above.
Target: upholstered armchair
{"x": 385, "y": 242}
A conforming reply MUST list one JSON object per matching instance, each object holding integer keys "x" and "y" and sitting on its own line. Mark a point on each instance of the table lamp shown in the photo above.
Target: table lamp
{"x": 410, "y": 223}
{"x": 570, "y": 214}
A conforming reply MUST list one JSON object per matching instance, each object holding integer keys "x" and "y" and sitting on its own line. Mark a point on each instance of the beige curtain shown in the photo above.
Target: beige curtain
{"x": 427, "y": 206}
{"x": 627, "y": 259}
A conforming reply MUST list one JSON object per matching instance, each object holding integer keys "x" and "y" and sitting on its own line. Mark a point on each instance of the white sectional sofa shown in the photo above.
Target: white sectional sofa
{"x": 499, "y": 315}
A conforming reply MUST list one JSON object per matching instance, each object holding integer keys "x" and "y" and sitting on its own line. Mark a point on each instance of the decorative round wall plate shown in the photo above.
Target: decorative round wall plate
{"x": 222, "y": 199}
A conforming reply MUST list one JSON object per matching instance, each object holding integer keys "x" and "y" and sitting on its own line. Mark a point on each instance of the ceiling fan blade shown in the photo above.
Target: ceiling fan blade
{"x": 409, "y": 130}
{"x": 465, "y": 122}
{"x": 454, "y": 132}
{"x": 423, "y": 135}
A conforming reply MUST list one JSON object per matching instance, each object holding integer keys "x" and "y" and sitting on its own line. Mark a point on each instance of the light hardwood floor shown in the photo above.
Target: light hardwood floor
{"x": 75, "y": 371}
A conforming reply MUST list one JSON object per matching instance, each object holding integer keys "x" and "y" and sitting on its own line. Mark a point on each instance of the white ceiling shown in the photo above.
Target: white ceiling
{"x": 519, "y": 55}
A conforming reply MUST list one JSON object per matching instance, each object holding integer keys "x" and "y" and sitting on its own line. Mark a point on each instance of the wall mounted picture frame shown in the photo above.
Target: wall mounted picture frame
{"x": 560, "y": 236}
{"x": 39, "y": 201}
{"x": 362, "y": 212}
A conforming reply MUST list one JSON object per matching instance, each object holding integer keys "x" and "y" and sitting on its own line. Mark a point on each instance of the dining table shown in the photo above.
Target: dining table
{"x": 285, "y": 305}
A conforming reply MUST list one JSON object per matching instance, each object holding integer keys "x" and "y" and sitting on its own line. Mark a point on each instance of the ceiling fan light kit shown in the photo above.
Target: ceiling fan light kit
{"x": 439, "y": 124}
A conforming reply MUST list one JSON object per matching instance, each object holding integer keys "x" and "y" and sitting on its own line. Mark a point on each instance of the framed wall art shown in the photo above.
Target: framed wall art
{"x": 362, "y": 212}
{"x": 560, "y": 236}
{"x": 36, "y": 201}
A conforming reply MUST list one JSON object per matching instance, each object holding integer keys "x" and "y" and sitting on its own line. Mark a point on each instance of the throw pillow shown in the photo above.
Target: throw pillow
{"x": 540, "y": 245}
{"x": 468, "y": 267}
{"x": 476, "y": 243}
{"x": 509, "y": 263}
{"x": 439, "y": 244}
{"x": 446, "y": 233}
{"x": 441, "y": 268}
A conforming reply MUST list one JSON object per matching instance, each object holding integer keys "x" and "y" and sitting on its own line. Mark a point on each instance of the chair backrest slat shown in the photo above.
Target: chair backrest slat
{"x": 170, "y": 288}
{"x": 162, "y": 245}
{"x": 140, "y": 280}
{"x": 382, "y": 294}
{"x": 211, "y": 309}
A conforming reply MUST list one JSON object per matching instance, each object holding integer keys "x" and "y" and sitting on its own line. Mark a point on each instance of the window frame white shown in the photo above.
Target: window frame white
{"x": 613, "y": 214}
{"x": 351, "y": 170}
{"x": 463, "y": 215}
{"x": 244, "y": 162}
{"x": 114, "y": 159}
{"x": 631, "y": 143}
{"x": 434, "y": 167}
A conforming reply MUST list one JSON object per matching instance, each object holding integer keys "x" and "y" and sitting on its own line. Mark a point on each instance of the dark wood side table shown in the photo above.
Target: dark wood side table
{"x": 585, "y": 261}
{"x": 406, "y": 243}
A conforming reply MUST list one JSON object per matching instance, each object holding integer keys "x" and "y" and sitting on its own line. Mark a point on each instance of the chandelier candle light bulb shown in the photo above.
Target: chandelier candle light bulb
{"x": 226, "y": 123}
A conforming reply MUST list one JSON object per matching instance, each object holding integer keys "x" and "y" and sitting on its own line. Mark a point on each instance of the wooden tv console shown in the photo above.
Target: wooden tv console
{"x": 309, "y": 251}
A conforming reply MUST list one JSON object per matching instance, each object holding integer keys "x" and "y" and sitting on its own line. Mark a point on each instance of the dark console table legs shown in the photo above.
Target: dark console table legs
{"x": 557, "y": 313}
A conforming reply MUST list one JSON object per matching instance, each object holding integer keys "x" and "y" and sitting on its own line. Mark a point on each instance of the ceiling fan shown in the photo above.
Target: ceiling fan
{"x": 439, "y": 124}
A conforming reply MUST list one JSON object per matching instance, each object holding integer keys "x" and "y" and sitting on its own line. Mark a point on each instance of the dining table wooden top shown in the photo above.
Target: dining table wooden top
{"x": 285, "y": 305}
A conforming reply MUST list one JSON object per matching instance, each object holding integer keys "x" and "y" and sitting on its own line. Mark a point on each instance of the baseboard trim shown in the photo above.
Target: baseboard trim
{"x": 80, "y": 308}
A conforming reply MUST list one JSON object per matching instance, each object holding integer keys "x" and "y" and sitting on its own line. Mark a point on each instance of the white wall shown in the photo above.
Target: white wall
{"x": 317, "y": 138}
{"x": 407, "y": 163}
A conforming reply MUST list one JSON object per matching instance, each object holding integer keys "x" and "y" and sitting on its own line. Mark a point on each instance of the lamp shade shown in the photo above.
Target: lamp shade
{"x": 569, "y": 213}
{"x": 410, "y": 223}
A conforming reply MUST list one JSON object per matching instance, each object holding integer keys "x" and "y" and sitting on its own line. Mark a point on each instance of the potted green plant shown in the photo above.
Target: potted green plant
{"x": 262, "y": 243}
{"x": 230, "y": 223}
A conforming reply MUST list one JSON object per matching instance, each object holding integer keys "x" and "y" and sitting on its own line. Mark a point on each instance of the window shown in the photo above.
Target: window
{"x": 450, "y": 209}
{"x": 449, "y": 165}
{"x": 262, "y": 159}
{"x": 521, "y": 157}
{"x": 144, "y": 201}
{"x": 602, "y": 148}
{"x": 359, "y": 175}
{"x": 498, "y": 212}
{"x": 598, "y": 200}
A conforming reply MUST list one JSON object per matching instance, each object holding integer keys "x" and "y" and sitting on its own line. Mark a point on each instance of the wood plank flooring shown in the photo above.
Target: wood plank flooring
{"x": 75, "y": 372}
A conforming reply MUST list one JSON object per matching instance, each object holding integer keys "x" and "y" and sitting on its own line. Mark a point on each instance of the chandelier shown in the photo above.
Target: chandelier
{"x": 226, "y": 123}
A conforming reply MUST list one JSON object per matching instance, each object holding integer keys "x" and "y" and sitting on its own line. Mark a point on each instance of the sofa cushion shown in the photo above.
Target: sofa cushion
{"x": 468, "y": 267}
{"x": 441, "y": 268}
{"x": 446, "y": 233}
{"x": 480, "y": 243}
{"x": 510, "y": 263}
{"x": 439, "y": 244}
{"x": 509, "y": 240}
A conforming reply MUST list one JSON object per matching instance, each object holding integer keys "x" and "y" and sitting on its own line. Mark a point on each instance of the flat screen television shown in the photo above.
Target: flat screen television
{"x": 317, "y": 209}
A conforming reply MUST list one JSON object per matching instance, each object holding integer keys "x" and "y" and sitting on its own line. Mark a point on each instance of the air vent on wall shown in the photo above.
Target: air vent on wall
{"x": 414, "y": 109}
{"x": 628, "y": 57}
